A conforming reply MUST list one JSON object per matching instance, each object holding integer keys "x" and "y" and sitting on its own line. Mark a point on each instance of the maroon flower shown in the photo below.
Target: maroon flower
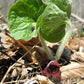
{"x": 53, "y": 69}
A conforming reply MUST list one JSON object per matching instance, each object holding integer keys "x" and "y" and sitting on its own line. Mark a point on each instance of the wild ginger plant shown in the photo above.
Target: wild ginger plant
{"x": 49, "y": 20}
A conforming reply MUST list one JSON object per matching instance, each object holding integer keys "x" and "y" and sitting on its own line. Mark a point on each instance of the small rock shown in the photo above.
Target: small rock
{"x": 24, "y": 72}
{"x": 14, "y": 73}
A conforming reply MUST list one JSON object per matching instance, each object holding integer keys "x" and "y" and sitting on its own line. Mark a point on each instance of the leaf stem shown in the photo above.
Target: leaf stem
{"x": 45, "y": 47}
{"x": 64, "y": 41}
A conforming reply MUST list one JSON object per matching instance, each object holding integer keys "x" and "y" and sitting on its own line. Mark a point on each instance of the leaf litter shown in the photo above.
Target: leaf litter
{"x": 30, "y": 66}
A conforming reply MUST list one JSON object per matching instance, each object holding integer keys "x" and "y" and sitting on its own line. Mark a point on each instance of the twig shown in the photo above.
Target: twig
{"x": 77, "y": 17}
{"x": 11, "y": 68}
{"x": 16, "y": 81}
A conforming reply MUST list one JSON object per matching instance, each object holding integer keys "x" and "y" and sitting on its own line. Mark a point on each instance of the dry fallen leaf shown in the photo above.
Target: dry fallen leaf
{"x": 81, "y": 82}
{"x": 78, "y": 56}
{"x": 76, "y": 43}
{"x": 73, "y": 44}
{"x": 32, "y": 42}
{"x": 72, "y": 70}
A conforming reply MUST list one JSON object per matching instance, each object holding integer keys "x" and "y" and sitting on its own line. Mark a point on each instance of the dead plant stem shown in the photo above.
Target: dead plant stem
{"x": 77, "y": 17}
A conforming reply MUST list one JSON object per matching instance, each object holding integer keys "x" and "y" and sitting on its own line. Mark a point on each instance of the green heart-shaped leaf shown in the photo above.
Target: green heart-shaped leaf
{"x": 52, "y": 23}
{"x": 22, "y": 18}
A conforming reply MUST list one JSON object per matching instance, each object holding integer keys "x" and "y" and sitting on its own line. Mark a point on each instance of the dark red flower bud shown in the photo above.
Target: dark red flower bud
{"x": 53, "y": 69}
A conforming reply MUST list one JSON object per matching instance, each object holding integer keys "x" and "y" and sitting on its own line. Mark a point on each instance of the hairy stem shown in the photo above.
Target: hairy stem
{"x": 45, "y": 47}
{"x": 64, "y": 41}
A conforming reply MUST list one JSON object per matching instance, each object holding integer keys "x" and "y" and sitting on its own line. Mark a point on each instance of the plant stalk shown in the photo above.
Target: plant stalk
{"x": 64, "y": 41}
{"x": 46, "y": 47}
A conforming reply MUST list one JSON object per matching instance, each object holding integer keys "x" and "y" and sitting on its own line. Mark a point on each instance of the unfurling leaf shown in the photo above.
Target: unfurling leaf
{"x": 22, "y": 18}
{"x": 53, "y": 20}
